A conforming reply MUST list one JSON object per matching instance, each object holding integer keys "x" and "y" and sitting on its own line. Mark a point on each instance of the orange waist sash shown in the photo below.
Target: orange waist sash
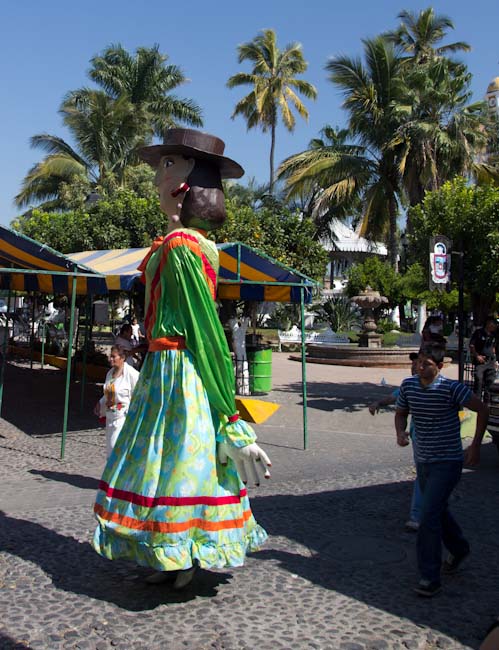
{"x": 167, "y": 343}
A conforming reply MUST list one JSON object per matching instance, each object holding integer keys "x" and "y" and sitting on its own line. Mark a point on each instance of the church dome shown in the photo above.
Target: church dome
{"x": 493, "y": 85}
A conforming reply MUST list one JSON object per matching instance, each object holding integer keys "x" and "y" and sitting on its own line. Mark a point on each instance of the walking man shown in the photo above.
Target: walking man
{"x": 434, "y": 403}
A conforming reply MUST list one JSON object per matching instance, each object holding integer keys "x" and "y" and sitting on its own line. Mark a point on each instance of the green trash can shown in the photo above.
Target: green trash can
{"x": 260, "y": 369}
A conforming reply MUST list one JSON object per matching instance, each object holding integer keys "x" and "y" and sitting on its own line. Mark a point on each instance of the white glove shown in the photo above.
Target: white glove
{"x": 245, "y": 459}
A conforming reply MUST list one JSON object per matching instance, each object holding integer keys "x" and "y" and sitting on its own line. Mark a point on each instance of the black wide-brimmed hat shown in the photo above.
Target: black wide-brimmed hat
{"x": 195, "y": 144}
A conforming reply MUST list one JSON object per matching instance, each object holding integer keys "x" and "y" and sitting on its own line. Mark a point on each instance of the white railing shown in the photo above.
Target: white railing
{"x": 327, "y": 337}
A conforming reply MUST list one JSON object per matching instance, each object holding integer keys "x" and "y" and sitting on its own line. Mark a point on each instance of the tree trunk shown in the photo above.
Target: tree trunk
{"x": 272, "y": 152}
{"x": 416, "y": 196}
{"x": 393, "y": 239}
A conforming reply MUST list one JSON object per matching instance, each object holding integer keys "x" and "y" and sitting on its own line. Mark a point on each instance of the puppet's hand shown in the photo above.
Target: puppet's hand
{"x": 235, "y": 432}
{"x": 246, "y": 459}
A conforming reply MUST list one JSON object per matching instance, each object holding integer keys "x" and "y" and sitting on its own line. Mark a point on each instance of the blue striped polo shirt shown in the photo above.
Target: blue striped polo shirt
{"x": 435, "y": 414}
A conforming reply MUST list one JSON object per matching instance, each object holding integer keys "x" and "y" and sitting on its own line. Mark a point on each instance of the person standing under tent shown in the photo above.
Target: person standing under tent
{"x": 119, "y": 385}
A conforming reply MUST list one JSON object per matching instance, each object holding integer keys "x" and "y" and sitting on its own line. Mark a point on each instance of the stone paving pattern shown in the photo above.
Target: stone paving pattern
{"x": 337, "y": 571}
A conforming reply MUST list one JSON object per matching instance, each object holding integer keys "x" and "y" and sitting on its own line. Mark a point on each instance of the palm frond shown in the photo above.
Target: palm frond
{"x": 43, "y": 180}
{"x": 52, "y": 144}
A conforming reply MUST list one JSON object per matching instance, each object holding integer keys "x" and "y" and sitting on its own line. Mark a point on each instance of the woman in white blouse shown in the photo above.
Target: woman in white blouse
{"x": 118, "y": 388}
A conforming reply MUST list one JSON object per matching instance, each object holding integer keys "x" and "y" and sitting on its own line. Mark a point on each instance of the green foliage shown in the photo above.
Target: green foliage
{"x": 378, "y": 275}
{"x": 469, "y": 215}
{"x": 339, "y": 313}
{"x": 125, "y": 221}
{"x": 419, "y": 34}
{"x": 414, "y": 286}
{"x": 284, "y": 317}
{"x": 385, "y": 325}
{"x": 147, "y": 80}
{"x": 128, "y": 221}
{"x": 282, "y": 234}
{"x": 140, "y": 179}
{"x": 390, "y": 338}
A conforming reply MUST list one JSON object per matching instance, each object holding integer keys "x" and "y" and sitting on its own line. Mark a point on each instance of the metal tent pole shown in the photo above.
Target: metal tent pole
{"x": 43, "y": 333}
{"x": 303, "y": 368}
{"x": 68, "y": 365}
{"x": 460, "y": 310}
{"x": 32, "y": 342}
{"x": 4, "y": 349}
{"x": 88, "y": 303}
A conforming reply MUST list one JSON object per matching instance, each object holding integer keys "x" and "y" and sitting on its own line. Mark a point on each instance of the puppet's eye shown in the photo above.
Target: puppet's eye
{"x": 167, "y": 162}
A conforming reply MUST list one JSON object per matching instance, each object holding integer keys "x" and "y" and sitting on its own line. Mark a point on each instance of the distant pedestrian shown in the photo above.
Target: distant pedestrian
{"x": 432, "y": 331}
{"x": 136, "y": 333}
{"x": 434, "y": 403}
{"x": 124, "y": 341}
{"x": 483, "y": 354}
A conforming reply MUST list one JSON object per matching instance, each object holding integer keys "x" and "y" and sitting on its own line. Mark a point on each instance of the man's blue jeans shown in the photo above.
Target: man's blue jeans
{"x": 437, "y": 525}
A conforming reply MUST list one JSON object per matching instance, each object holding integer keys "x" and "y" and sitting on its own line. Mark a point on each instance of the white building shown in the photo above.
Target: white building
{"x": 492, "y": 96}
{"x": 346, "y": 248}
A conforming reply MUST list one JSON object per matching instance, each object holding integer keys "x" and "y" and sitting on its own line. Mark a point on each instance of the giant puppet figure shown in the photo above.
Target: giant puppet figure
{"x": 171, "y": 496}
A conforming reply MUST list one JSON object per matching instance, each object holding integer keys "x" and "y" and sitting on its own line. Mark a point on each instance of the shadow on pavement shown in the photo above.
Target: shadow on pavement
{"x": 348, "y": 540}
{"x": 330, "y": 396}
{"x": 75, "y": 567}
{"x": 78, "y": 480}
{"x": 33, "y": 400}
{"x": 353, "y": 541}
{"x": 42, "y": 407}
{"x": 8, "y": 643}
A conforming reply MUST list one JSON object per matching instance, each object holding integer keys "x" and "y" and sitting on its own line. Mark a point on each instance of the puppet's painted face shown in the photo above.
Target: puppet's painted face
{"x": 172, "y": 171}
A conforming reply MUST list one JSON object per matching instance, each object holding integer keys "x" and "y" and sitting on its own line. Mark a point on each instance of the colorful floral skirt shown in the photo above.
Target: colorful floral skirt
{"x": 164, "y": 500}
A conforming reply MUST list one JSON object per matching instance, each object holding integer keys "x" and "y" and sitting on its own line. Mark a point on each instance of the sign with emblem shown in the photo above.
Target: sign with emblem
{"x": 440, "y": 262}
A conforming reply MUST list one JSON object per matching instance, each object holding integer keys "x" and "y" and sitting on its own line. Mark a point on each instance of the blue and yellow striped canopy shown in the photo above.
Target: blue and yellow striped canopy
{"x": 248, "y": 274}
{"x": 245, "y": 273}
{"x": 23, "y": 253}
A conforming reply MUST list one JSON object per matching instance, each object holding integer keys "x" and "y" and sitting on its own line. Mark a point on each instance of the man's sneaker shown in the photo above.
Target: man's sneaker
{"x": 453, "y": 562}
{"x": 412, "y": 526}
{"x": 428, "y": 589}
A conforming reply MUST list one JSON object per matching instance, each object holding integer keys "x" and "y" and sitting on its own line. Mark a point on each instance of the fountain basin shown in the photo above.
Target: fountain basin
{"x": 353, "y": 355}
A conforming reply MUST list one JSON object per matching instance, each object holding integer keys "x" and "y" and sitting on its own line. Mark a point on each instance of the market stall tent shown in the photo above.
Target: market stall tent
{"x": 245, "y": 273}
{"x": 28, "y": 265}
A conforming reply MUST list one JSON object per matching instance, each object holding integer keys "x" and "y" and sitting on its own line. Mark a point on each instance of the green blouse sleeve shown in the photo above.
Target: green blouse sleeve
{"x": 190, "y": 298}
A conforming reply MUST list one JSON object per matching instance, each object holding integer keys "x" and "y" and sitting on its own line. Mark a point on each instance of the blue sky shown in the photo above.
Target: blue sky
{"x": 45, "y": 50}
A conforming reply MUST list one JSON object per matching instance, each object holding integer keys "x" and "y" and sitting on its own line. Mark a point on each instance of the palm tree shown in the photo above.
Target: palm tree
{"x": 442, "y": 134}
{"x": 366, "y": 168}
{"x": 273, "y": 80}
{"x": 148, "y": 82}
{"x": 108, "y": 125}
{"x": 314, "y": 184}
{"x": 419, "y": 34}
{"x": 106, "y": 133}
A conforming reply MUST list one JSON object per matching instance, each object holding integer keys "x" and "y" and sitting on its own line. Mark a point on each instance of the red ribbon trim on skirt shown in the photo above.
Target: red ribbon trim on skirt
{"x": 151, "y": 502}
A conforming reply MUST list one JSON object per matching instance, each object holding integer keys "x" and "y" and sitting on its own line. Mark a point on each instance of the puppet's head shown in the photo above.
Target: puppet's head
{"x": 189, "y": 167}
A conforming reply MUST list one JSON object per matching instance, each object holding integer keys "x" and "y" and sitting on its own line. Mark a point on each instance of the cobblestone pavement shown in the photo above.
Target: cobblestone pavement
{"x": 337, "y": 570}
